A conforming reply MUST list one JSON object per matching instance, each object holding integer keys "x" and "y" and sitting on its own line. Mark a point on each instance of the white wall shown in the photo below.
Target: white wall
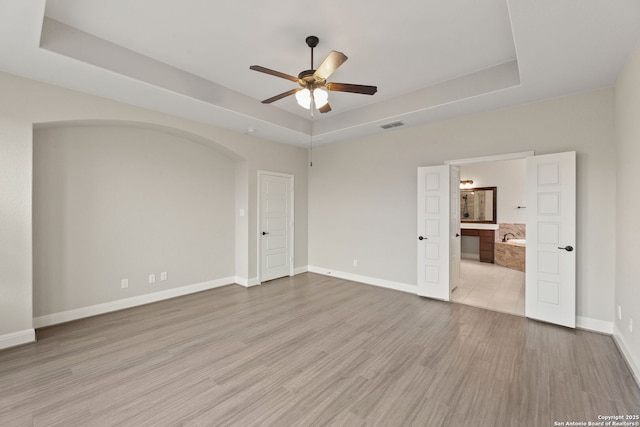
{"x": 510, "y": 178}
{"x": 15, "y": 232}
{"x": 25, "y": 103}
{"x": 362, "y": 194}
{"x": 627, "y": 292}
{"x": 115, "y": 202}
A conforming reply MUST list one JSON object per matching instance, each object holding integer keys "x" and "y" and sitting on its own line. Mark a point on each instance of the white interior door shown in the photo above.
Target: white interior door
{"x": 434, "y": 231}
{"x": 551, "y": 239}
{"x": 275, "y": 225}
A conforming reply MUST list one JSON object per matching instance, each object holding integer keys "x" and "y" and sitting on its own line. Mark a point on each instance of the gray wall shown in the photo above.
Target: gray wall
{"x": 26, "y": 103}
{"x": 627, "y": 293}
{"x": 15, "y": 230}
{"x": 362, "y": 193}
{"x": 113, "y": 202}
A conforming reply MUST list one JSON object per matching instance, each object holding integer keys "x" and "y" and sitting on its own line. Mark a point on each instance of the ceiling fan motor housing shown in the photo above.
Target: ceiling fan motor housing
{"x": 308, "y": 80}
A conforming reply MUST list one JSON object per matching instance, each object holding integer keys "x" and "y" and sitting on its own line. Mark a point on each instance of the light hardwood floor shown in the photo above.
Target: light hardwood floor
{"x": 312, "y": 350}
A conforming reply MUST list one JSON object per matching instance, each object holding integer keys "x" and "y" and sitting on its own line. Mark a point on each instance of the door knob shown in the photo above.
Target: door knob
{"x": 457, "y": 234}
{"x": 264, "y": 233}
{"x": 566, "y": 248}
{"x": 422, "y": 238}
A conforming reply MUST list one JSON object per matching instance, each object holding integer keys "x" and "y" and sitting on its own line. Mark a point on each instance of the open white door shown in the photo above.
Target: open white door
{"x": 275, "y": 225}
{"x": 551, "y": 237}
{"x": 436, "y": 230}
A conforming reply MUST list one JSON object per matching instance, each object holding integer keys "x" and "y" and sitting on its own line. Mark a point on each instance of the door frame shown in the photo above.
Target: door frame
{"x": 525, "y": 155}
{"x": 290, "y": 229}
{"x": 511, "y": 156}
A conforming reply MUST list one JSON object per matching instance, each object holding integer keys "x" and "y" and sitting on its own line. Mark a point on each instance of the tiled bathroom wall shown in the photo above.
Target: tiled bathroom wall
{"x": 519, "y": 230}
{"x": 510, "y": 255}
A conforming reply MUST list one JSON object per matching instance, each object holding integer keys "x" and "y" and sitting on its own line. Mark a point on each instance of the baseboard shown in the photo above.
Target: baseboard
{"x": 94, "y": 310}
{"x": 632, "y": 360}
{"x": 247, "y": 283}
{"x": 594, "y": 325}
{"x": 382, "y": 283}
{"x": 586, "y": 323}
{"x": 300, "y": 270}
{"x": 469, "y": 255}
{"x": 17, "y": 338}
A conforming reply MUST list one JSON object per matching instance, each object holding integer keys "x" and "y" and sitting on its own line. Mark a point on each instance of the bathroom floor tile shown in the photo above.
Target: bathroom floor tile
{"x": 508, "y": 297}
{"x": 520, "y": 307}
{"x": 490, "y": 286}
{"x": 459, "y": 294}
{"x": 478, "y": 298}
{"x": 506, "y": 306}
{"x": 486, "y": 286}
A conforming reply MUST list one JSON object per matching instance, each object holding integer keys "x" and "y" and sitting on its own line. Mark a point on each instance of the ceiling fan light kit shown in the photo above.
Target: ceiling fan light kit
{"x": 320, "y": 98}
{"x": 313, "y": 83}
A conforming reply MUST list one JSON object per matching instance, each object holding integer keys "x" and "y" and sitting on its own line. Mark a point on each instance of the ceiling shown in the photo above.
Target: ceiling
{"x": 430, "y": 59}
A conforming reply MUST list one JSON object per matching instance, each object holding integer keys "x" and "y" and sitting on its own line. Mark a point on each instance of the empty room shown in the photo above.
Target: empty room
{"x": 295, "y": 213}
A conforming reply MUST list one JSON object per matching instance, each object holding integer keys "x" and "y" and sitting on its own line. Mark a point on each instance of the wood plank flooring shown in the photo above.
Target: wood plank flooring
{"x": 312, "y": 350}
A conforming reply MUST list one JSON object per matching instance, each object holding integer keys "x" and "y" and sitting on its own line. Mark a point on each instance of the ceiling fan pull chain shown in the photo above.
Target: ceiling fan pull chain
{"x": 311, "y": 147}
{"x": 312, "y": 107}
{"x": 311, "y": 142}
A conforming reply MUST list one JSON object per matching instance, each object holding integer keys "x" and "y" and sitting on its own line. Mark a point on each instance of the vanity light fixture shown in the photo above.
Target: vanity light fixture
{"x": 467, "y": 183}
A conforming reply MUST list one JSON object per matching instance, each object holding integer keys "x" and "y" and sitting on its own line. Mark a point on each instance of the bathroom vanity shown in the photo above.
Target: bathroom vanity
{"x": 487, "y": 238}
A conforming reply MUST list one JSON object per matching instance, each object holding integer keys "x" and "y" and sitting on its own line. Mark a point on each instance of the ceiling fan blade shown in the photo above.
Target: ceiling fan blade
{"x": 273, "y": 73}
{"x": 325, "y": 108}
{"x": 282, "y": 95}
{"x": 330, "y": 64}
{"x": 346, "y": 87}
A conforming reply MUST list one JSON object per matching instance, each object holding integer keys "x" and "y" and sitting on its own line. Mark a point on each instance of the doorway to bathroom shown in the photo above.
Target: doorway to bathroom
{"x": 493, "y": 236}
{"x": 550, "y": 277}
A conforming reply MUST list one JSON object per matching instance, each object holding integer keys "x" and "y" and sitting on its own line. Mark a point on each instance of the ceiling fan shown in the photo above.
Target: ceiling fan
{"x": 313, "y": 82}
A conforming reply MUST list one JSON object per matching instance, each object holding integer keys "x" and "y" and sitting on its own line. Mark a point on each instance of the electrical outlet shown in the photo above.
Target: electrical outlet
{"x": 630, "y": 325}
{"x": 163, "y": 276}
{"x": 619, "y": 312}
{"x": 152, "y": 278}
{"x": 355, "y": 262}
{"x": 124, "y": 283}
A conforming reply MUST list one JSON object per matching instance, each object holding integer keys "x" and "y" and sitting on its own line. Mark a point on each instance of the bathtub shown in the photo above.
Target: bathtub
{"x": 511, "y": 254}
{"x": 522, "y": 242}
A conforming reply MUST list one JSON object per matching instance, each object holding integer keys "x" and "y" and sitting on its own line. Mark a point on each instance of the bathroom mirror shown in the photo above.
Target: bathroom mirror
{"x": 478, "y": 205}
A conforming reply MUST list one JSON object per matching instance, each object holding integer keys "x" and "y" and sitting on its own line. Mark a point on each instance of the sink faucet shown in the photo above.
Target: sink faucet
{"x": 504, "y": 238}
